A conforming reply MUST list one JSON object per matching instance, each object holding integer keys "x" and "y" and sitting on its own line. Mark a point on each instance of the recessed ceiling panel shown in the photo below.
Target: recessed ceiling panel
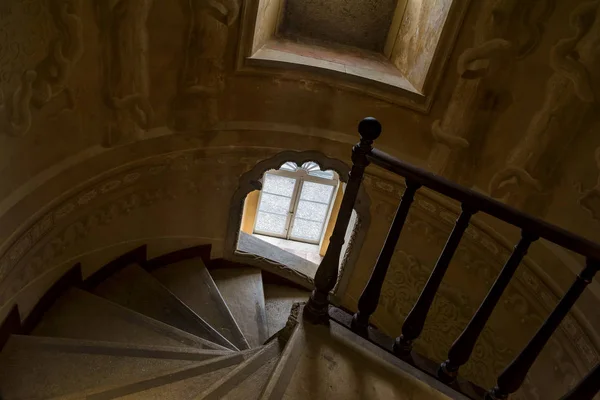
{"x": 360, "y": 23}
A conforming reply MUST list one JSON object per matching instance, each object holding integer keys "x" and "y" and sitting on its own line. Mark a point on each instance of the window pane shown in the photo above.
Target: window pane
{"x": 322, "y": 174}
{"x": 312, "y": 211}
{"x": 274, "y": 204}
{"x": 316, "y": 192}
{"x": 270, "y": 223}
{"x": 307, "y": 230}
{"x": 281, "y": 185}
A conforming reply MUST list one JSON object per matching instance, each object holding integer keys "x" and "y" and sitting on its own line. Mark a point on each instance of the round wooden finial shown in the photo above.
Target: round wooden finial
{"x": 369, "y": 128}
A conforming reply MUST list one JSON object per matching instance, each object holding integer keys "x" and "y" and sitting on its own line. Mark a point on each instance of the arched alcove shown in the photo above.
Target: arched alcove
{"x": 251, "y": 181}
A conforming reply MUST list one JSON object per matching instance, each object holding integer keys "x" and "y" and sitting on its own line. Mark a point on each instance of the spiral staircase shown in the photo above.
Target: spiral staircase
{"x": 182, "y": 326}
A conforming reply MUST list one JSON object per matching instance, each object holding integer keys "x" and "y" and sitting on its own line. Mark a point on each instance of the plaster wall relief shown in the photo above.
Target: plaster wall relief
{"x": 524, "y": 306}
{"x": 505, "y": 32}
{"x": 534, "y": 166}
{"x": 123, "y": 35}
{"x": 202, "y": 73}
{"x": 150, "y": 190}
{"x": 40, "y": 43}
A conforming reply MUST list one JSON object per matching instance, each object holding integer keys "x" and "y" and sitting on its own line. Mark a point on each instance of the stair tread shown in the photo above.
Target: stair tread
{"x": 165, "y": 383}
{"x": 138, "y": 290}
{"x": 78, "y": 314}
{"x": 116, "y": 349}
{"x": 252, "y": 387}
{"x": 278, "y": 304}
{"x": 191, "y": 282}
{"x": 242, "y": 290}
{"x": 248, "y": 379}
{"x": 31, "y": 372}
{"x": 186, "y": 389}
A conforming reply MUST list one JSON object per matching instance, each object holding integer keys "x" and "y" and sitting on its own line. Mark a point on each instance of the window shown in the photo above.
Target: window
{"x": 295, "y": 202}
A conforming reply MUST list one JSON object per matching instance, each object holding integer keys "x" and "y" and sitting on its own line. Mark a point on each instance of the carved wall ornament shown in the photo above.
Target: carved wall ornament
{"x": 529, "y": 175}
{"x": 40, "y": 239}
{"x": 506, "y": 31}
{"x": 124, "y": 67}
{"x": 49, "y": 78}
{"x": 202, "y": 73}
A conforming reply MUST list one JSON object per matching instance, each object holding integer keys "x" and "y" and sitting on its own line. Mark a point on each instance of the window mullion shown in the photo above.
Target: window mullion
{"x": 294, "y": 206}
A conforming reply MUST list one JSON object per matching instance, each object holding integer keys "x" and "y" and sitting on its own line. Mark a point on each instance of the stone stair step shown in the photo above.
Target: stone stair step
{"x": 242, "y": 290}
{"x": 185, "y": 389}
{"x": 286, "y": 364}
{"x": 278, "y": 304}
{"x": 66, "y": 345}
{"x": 163, "y": 381}
{"x": 191, "y": 282}
{"x": 35, "y": 371}
{"x": 78, "y": 314}
{"x": 136, "y": 289}
{"x": 248, "y": 379}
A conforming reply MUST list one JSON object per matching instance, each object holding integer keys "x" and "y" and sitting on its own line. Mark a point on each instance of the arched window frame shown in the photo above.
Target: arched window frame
{"x": 307, "y": 172}
{"x": 250, "y": 181}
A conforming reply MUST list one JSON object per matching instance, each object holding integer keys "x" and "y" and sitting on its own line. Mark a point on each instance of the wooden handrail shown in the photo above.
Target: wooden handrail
{"x": 487, "y": 205}
{"x": 471, "y": 202}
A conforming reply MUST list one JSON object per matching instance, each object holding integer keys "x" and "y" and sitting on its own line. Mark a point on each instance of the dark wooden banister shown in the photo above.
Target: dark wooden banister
{"x": 471, "y": 202}
{"x": 487, "y": 205}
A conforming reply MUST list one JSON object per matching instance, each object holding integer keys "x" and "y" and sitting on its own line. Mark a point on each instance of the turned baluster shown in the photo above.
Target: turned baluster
{"x": 414, "y": 322}
{"x": 327, "y": 273}
{"x": 511, "y": 379}
{"x": 369, "y": 299}
{"x": 587, "y": 388}
{"x": 463, "y": 346}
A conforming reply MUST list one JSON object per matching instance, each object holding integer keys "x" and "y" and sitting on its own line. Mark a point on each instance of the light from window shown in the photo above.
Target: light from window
{"x": 295, "y": 202}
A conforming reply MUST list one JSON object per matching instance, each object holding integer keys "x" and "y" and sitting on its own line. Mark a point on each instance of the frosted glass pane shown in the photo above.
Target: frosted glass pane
{"x": 279, "y": 185}
{"x": 322, "y": 174}
{"x": 270, "y": 223}
{"x": 312, "y": 211}
{"x": 274, "y": 204}
{"x": 307, "y": 230}
{"x": 316, "y": 192}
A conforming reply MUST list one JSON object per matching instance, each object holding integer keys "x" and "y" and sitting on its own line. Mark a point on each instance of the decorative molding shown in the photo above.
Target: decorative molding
{"x": 250, "y": 181}
{"x": 529, "y": 174}
{"x": 480, "y": 95}
{"x": 49, "y": 78}
{"x": 74, "y": 218}
{"x": 124, "y": 65}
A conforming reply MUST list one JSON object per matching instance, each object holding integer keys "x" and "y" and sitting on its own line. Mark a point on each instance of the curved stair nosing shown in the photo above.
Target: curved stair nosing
{"x": 81, "y": 346}
{"x": 282, "y": 373}
{"x": 224, "y": 385}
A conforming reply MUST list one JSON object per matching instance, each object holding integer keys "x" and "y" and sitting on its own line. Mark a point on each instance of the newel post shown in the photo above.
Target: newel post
{"x": 327, "y": 273}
